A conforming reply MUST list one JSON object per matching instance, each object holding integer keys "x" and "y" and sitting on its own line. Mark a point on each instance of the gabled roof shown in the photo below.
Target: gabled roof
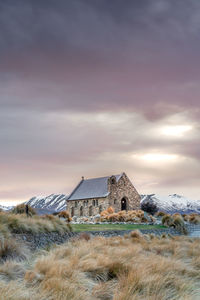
{"x": 91, "y": 188}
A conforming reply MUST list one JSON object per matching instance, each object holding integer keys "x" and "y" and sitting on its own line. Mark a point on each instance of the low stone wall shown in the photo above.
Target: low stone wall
{"x": 43, "y": 240}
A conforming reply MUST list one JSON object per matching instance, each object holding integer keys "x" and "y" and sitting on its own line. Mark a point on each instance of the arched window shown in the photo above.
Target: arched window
{"x": 76, "y": 204}
{"x": 97, "y": 202}
{"x": 100, "y": 208}
{"x": 90, "y": 211}
{"x": 72, "y": 211}
{"x": 93, "y": 202}
{"x": 81, "y": 211}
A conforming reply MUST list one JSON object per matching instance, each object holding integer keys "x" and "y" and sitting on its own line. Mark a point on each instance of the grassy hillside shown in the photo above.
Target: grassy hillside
{"x": 134, "y": 267}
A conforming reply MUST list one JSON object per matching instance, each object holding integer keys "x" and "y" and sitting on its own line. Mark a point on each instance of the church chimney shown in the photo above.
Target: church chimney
{"x": 82, "y": 177}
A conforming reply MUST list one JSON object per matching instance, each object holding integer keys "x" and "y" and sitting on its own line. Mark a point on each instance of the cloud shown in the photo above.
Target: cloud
{"x": 86, "y": 85}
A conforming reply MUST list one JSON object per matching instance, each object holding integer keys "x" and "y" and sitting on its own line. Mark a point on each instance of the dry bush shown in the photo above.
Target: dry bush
{"x": 104, "y": 213}
{"x": 21, "y": 209}
{"x": 179, "y": 224}
{"x": 110, "y": 210}
{"x": 136, "y": 234}
{"x": 167, "y": 220}
{"x": 160, "y": 214}
{"x": 65, "y": 214}
{"x": 194, "y": 219}
{"x": 175, "y": 221}
{"x": 136, "y": 216}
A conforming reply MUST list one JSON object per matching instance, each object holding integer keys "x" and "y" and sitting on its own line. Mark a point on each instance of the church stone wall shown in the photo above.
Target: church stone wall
{"x": 87, "y": 207}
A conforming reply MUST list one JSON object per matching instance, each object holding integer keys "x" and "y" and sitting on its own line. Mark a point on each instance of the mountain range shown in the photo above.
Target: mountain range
{"x": 171, "y": 204}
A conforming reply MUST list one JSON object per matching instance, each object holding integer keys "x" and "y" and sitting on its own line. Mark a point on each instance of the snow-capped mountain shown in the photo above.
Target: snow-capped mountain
{"x": 172, "y": 203}
{"x": 51, "y": 203}
{"x": 6, "y": 208}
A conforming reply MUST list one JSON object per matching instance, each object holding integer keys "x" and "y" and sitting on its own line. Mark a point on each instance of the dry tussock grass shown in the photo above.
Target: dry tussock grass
{"x": 192, "y": 218}
{"x": 136, "y": 216}
{"x": 137, "y": 267}
{"x": 21, "y": 224}
{"x": 11, "y": 249}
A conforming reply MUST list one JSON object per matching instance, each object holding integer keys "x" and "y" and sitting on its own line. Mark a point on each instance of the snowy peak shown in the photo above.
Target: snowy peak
{"x": 172, "y": 203}
{"x": 5, "y": 208}
{"x": 53, "y": 202}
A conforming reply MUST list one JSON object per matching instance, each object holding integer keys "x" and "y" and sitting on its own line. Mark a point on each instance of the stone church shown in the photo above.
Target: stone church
{"x": 92, "y": 196}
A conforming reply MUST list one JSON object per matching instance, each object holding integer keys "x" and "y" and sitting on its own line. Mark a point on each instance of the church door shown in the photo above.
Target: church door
{"x": 123, "y": 204}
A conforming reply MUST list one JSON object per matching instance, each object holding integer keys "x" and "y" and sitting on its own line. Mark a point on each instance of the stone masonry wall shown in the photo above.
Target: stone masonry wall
{"x": 123, "y": 189}
{"x": 87, "y": 207}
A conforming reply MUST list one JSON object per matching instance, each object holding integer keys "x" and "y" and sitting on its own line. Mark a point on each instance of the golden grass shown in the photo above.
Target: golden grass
{"x": 136, "y": 216}
{"x": 135, "y": 267}
{"x": 11, "y": 249}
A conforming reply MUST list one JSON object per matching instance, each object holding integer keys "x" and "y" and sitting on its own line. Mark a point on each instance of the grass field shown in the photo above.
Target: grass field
{"x": 102, "y": 227}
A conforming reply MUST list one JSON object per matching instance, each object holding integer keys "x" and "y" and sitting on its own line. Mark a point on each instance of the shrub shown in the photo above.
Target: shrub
{"x": 167, "y": 220}
{"x": 194, "y": 218}
{"x": 135, "y": 234}
{"x": 150, "y": 208}
{"x": 179, "y": 224}
{"x": 160, "y": 214}
{"x": 110, "y": 210}
{"x": 65, "y": 214}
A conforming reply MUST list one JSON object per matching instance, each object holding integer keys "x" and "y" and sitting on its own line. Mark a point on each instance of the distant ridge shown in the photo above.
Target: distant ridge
{"x": 170, "y": 204}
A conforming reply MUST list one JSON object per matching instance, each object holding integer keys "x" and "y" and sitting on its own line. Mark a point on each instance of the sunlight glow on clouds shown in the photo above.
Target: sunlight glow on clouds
{"x": 156, "y": 157}
{"x": 177, "y": 130}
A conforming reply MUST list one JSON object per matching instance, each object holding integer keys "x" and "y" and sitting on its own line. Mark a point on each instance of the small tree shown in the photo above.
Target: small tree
{"x": 149, "y": 207}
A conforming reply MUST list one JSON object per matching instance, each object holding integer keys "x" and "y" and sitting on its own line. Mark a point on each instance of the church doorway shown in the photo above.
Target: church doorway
{"x": 123, "y": 204}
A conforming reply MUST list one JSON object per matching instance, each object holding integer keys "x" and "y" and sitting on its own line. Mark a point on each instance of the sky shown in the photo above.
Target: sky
{"x": 94, "y": 88}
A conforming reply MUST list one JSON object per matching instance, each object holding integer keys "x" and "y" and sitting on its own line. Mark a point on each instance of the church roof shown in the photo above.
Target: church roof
{"x": 91, "y": 188}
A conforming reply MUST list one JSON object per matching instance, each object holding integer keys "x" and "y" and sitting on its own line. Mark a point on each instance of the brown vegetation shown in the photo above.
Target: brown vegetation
{"x": 136, "y": 267}
{"x": 135, "y": 216}
{"x": 175, "y": 221}
{"x": 11, "y": 223}
{"x": 21, "y": 209}
{"x": 65, "y": 215}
